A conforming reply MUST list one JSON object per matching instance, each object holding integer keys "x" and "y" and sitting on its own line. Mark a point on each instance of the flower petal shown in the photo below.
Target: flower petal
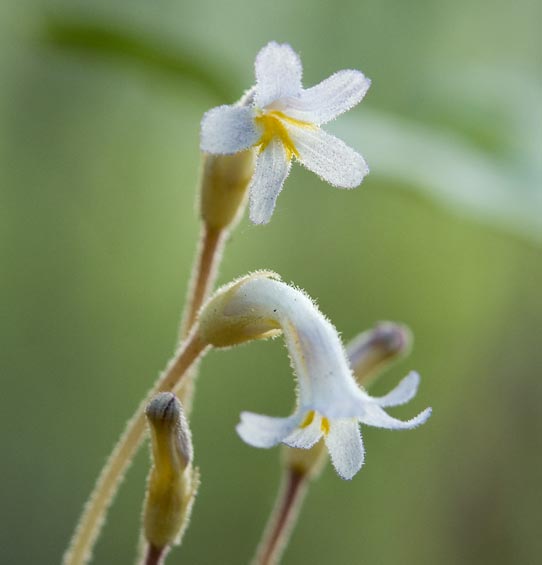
{"x": 345, "y": 447}
{"x": 278, "y": 73}
{"x": 329, "y": 99}
{"x": 228, "y": 129}
{"x": 264, "y": 431}
{"x": 375, "y": 416}
{"x": 328, "y": 157}
{"x": 402, "y": 393}
{"x": 305, "y": 437}
{"x": 272, "y": 168}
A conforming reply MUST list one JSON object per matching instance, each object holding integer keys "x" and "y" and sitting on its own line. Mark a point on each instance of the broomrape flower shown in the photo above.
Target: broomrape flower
{"x": 330, "y": 402}
{"x": 282, "y": 120}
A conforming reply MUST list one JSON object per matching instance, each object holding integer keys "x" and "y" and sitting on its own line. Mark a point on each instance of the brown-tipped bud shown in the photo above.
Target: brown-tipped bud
{"x": 372, "y": 351}
{"x": 230, "y": 317}
{"x": 224, "y": 188}
{"x": 172, "y": 482}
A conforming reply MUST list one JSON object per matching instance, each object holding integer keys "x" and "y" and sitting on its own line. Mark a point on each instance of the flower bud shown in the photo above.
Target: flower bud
{"x": 224, "y": 184}
{"x": 372, "y": 351}
{"x": 224, "y": 321}
{"x": 172, "y": 482}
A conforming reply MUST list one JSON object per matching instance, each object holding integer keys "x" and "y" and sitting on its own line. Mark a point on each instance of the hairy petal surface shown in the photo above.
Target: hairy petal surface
{"x": 375, "y": 416}
{"x": 278, "y": 73}
{"x": 272, "y": 168}
{"x": 305, "y": 437}
{"x": 329, "y": 99}
{"x": 265, "y": 431}
{"x": 345, "y": 447}
{"x": 326, "y": 383}
{"x": 404, "y": 392}
{"x": 228, "y": 129}
{"x": 330, "y": 158}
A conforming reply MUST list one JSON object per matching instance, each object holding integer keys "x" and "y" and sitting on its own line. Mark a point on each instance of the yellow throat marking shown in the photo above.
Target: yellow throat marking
{"x": 324, "y": 424}
{"x": 273, "y": 127}
{"x": 308, "y": 419}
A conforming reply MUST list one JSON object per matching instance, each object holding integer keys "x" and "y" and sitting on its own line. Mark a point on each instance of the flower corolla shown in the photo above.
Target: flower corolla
{"x": 282, "y": 120}
{"x": 330, "y": 403}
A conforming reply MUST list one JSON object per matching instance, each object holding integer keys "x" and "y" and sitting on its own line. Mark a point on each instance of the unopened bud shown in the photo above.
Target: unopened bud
{"x": 226, "y": 321}
{"x": 372, "y": 351}
{"x": 172, "y": 482}
{"x": 224, "y": 184}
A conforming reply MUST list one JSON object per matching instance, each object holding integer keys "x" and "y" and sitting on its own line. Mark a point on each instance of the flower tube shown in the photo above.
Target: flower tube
{"x": 330, "y": 403}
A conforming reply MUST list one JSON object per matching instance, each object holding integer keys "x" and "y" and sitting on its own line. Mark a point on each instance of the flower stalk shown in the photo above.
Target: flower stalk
{"x": 248, "y": 150}
{"x": 90, "y": 523}
{"x": 222, "y": 200}
{"x": 208, "y": 257}
{"x": 283, "y": 517}
{"x": 369, "y": 354}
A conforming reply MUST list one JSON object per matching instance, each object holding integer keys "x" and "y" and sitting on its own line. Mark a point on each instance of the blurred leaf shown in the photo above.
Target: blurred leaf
{"x": 446, "y": 165}
{"x": 109, "y": 41}
{"x": 449, "y": 168}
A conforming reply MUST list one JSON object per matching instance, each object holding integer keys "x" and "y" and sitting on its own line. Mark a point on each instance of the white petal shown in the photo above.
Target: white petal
{"x": 272, "y": 168}
{"x": 402, "y": 393}
{"x": 306, "y": 437}
{"x": 328, "y": 157}
{"x": 325, "y": 381}
{"x": 329, "y": 99}
{"x": 375, "y": 416}
{"x": 228, "y": 129}
{"x": 278, "y": 73}
{"x": 264, "y": 431}
{"x": 345, "y": 447}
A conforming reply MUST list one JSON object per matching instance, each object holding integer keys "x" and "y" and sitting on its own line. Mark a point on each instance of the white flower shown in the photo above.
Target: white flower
{"x": 330, "y": 402}
{"x": 282, "y": 120}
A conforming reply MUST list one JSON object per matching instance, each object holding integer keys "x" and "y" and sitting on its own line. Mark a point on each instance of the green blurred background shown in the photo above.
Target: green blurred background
{"x": 100, "y": 106}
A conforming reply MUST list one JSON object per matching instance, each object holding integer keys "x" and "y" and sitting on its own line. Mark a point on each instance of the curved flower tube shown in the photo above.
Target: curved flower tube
{"x": 282, "y": 120}
{"x": 330, "y": 403}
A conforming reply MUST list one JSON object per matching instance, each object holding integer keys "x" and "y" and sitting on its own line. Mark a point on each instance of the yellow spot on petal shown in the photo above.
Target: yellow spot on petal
{"x": 273, "y": 125}
{"x": 324, "y": 426}
{"x": 308, "y": 419}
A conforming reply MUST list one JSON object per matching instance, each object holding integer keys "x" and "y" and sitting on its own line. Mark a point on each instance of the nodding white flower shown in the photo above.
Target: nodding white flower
{"x": 330, "y": 402}
{"x": 282, "y": 120}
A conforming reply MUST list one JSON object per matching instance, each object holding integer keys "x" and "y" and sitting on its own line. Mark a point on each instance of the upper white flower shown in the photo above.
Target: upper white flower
{"x": 282, "y": 120}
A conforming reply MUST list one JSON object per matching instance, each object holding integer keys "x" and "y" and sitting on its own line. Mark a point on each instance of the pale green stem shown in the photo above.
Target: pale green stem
{"x": 86, "y": 534}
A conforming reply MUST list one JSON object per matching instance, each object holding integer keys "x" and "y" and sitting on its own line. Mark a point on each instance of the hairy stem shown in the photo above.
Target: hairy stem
{"x": 204, "y": 274}
{"x": 202, "y": 280}
{"x": 283, "y": 517}
{"x": 86, "y": 533}
{"x": 298, "y": 471}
